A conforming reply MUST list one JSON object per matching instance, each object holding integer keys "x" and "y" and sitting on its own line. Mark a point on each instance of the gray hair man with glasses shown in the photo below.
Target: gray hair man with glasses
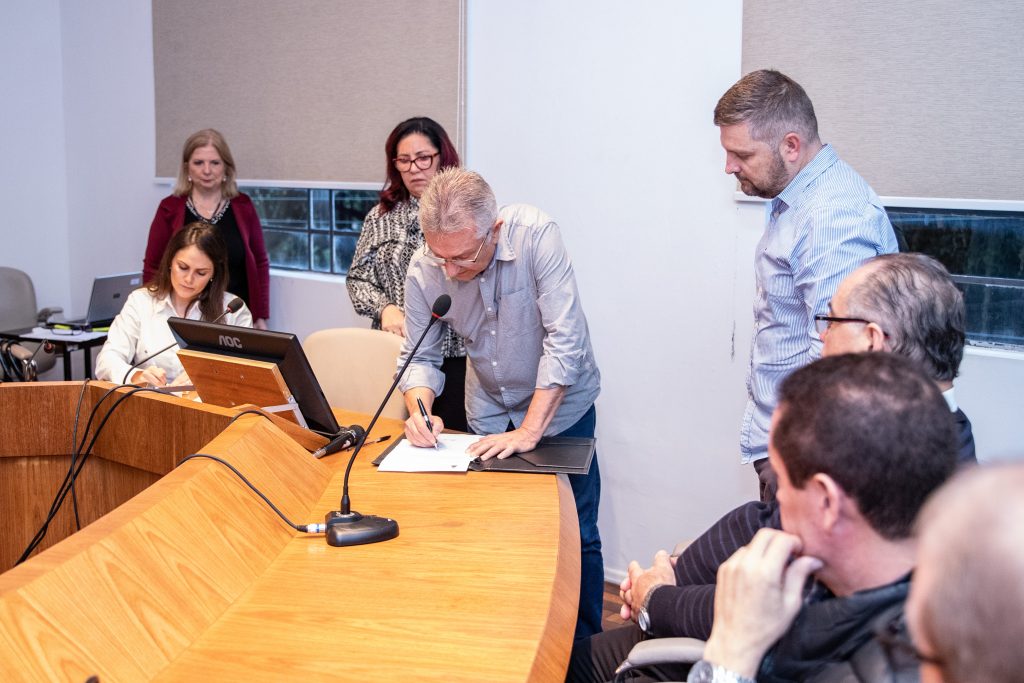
{"x": 531, "y": 370}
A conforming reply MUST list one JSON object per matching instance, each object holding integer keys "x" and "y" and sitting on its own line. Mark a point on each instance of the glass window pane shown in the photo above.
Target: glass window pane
{"x": 321, "y": 252}
{"x": 321, "y": 203}
{"x": 282, "y": 208}
{"x": 287, "y": 249}
{"x": 344, "y": 249}
{"x": 351, "y": 207}
{"x": 995, "y": 314}
{"x": 984, "y": 251}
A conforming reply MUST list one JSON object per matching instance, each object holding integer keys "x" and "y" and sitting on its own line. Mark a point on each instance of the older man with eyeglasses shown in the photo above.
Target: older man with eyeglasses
{"x": 531, "y": 369}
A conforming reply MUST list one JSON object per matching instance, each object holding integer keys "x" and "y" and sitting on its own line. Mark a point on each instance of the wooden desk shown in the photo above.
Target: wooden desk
{"x": 195, "y": 579}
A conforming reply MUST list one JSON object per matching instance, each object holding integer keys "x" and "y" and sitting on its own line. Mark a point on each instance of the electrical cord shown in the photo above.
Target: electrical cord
{"x": 76, "y": 467}
{"x": 247, "y": 411}
{"x": 305, "y": 528}
{"x": 74, "y": 440}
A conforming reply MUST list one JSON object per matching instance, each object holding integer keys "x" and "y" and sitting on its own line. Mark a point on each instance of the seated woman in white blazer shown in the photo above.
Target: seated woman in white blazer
{"x": 190, "y": 283}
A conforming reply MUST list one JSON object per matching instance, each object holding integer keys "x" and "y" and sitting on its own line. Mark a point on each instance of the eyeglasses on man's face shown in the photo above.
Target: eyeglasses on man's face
{"x": 824, "y": 322}
{"x": 420, "y": 161}
{"x": 432, "y": 259}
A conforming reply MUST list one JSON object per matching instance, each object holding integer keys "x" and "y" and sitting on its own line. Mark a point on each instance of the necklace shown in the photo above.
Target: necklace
{"x": 215, "y": 215}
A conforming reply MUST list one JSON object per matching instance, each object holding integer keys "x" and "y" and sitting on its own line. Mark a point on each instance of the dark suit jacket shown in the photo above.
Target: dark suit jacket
{"x": 688, "y": 608}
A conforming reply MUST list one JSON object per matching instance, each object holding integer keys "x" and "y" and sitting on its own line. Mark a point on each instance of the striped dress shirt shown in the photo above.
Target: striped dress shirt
{"x": 821, "y": 227}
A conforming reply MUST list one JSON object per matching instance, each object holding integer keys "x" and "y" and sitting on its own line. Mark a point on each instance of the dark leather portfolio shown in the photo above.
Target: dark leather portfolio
{"x": 554, "y": 454}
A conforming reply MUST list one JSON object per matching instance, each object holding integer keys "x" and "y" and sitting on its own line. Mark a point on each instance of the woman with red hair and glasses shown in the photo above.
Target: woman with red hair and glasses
{"x": 416, "y": 149}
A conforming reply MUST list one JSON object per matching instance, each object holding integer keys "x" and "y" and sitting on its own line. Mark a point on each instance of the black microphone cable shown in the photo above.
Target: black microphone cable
{"x": 313, "y": 528}
{"x": 76, "y": 468}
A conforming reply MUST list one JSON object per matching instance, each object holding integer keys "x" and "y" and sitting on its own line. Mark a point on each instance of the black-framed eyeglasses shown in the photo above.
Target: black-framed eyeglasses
{"x": 823, "y": 322}
{"x": 421, "y": 161}
{"x": 430, "y": 258}
{"x": 894, "y": 638}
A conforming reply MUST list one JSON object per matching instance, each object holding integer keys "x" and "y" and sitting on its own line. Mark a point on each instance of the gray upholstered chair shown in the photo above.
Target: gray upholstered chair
{"x": 18, "y": 311}
{"x": 660, "y": 651}
{"x": 355, "y": 366}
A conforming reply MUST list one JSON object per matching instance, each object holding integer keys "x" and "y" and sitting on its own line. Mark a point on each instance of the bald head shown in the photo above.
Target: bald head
{"x": 968, "y": 591}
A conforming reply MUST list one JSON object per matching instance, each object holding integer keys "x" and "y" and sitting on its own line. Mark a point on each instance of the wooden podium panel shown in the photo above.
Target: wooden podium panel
{"x": 194, "y": 578}
{"x": 143, "y": 440}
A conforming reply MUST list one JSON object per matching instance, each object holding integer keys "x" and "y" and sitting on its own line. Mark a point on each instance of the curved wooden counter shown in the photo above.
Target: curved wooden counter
{"x": 195, "y": 578}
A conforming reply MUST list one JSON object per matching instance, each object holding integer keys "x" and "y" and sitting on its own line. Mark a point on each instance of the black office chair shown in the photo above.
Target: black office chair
{"x": 22, "y": 361}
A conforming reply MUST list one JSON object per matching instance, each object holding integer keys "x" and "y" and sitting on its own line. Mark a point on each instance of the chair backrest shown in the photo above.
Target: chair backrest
{"x": 17, "y": 299}
{"x": 355, "y": 366}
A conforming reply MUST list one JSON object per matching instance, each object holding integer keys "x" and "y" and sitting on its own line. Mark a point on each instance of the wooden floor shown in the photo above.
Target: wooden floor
{"x": 610, "y": 617}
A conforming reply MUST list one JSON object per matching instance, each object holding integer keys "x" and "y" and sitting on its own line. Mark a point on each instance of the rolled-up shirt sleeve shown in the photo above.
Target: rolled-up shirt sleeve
{"x": 565, "y": 325}
{"x": 425, "y": 368}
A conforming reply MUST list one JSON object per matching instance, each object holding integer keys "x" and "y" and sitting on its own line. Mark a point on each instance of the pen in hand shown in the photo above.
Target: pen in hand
{"x": 426, "y": 418}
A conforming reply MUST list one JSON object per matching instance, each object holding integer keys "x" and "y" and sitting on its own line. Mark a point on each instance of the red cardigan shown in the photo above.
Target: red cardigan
{"x": 170, "y": 218}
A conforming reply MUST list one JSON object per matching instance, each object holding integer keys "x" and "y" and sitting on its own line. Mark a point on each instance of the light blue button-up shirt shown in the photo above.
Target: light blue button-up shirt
{"x": 522, "y": 323}
{"x": 820, "y": 228}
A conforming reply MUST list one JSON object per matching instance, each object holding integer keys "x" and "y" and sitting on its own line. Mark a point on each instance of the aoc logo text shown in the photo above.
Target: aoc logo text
{"x": 233, "y": 342}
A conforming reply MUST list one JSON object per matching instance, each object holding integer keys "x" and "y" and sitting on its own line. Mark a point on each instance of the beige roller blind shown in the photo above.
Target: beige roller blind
{"x": 305, "y": 90}
{"x": 924, "y": 98}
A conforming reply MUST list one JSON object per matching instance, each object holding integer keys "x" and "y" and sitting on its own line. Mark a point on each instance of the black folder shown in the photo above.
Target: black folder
{"x": 553, "y": 455}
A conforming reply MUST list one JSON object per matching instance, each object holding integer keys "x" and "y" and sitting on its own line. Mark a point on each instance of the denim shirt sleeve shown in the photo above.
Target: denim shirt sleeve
{"x": 561, "y": 314}
{"x": 425, "y": 368}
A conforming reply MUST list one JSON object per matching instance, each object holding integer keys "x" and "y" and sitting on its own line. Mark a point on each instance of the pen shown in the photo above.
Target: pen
{"x": 426, "y": 418}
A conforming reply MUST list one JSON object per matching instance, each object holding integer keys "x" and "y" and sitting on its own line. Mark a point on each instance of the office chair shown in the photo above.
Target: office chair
{"x": 660, "y": 651}
{"x": 18, "y": 311}
{"x": 355, "y": 366}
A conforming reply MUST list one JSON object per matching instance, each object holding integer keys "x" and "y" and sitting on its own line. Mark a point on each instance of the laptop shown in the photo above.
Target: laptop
{"x": 109, "y": 293}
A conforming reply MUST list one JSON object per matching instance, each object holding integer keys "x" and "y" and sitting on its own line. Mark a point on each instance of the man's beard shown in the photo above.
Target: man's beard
{"x": 774, "y": 183}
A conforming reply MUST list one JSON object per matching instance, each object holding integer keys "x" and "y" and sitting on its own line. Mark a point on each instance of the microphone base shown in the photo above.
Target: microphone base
{"x": 356, "y": 529}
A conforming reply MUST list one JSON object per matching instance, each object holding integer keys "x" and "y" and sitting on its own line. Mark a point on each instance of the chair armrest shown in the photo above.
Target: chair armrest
{"x": 45, "y": 314}
{"x": 661, "y": 651}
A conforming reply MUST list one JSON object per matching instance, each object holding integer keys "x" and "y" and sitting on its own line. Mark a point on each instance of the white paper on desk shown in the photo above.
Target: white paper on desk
{"x": 62, "y": 335}
{"x": 450, "y": 456}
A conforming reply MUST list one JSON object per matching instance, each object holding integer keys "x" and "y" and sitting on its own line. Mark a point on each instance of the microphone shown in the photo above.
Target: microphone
{"x": 348, "y": 436}
{"x": 232, "y": 307}
{"x": 345, "y": 526}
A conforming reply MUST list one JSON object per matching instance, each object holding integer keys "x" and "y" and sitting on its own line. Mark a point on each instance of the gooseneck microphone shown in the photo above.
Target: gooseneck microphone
{"x": 346, "y": 437}
{"x": 232, "y": 307}
{"x": 345, "y": 526}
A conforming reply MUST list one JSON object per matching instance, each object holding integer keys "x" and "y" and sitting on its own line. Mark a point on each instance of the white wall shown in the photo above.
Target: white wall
{"x": 34, "y": 229}
{"x": 598, "y": 112}
{"x": 108, "y": 112}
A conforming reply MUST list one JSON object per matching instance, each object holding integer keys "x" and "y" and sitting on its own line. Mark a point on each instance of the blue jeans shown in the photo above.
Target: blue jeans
{"x": 586, "y": 489}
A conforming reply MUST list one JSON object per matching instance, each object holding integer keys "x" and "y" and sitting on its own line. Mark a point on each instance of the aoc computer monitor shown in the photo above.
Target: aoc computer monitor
{"x": 281, "y": 348}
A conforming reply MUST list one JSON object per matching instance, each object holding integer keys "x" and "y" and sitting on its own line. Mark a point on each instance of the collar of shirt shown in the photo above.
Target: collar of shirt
{"x": 950, "y": 397}
{"x": 825, "y": 158}
{"x": 504, "y": 251}
{"x": 165, "y": 302}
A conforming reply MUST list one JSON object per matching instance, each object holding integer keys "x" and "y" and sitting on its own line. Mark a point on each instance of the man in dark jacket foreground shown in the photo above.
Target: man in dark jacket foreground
{"x": 858, "y": 441}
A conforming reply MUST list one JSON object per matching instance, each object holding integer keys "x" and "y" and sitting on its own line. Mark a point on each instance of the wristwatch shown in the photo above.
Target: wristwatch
{"x": 706, "y": 672}
{"x": 643, "y": 617}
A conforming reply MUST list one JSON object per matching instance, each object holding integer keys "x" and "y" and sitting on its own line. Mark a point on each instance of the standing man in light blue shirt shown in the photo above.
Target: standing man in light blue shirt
{"x": 824, "y": 220}
{"x": 531, "y": 370}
